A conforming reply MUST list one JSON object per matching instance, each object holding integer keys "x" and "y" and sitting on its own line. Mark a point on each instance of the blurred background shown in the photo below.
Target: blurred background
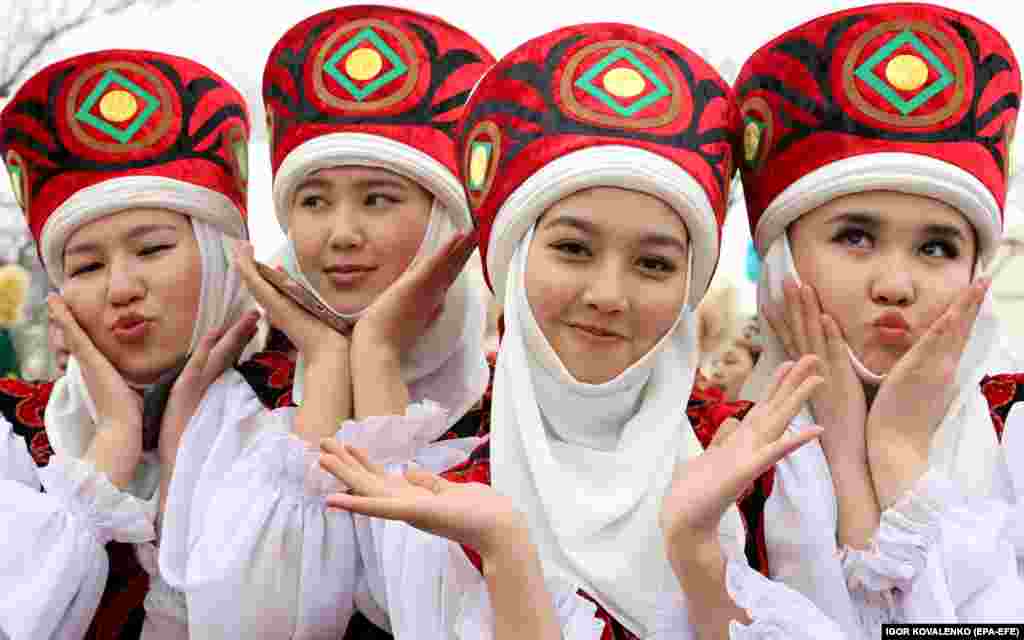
{"x": 235, "y": 37}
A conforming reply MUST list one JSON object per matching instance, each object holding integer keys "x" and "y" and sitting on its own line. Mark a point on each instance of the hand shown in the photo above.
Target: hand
{"x": 217, "y": 352}
{"x": 117, "y": 446}
{"x": 705, "y": 486}
{"x": 404, "y": 310}
{"x": 472, "y": 514}
{"x": 839, "y": 403}
{"x": 312, "y": 337}
{"x": 915, "y": 396}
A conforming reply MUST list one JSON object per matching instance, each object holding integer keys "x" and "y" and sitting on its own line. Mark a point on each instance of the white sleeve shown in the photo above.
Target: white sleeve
{"x": 53, "y": 562}
{"x": 938, "y": 557}
{"x": 800, "y": 519}
{"x": 424, "y": 586}
{"x": 15, "y": 462}
{"x": 776, "y": 612}
{"x": 272, "y": 560}
{"x": 429, "y": 589}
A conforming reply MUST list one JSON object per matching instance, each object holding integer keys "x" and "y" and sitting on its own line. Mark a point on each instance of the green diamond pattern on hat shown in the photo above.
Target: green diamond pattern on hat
{"x": 113, "y": 78}
{"x": 645, "y": 99}
{"x": 866, "y": 72}
{"x": 398, "y": 67}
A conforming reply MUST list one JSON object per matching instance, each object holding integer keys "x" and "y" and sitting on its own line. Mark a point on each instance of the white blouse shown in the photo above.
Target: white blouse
{"x": 937, "y": 555}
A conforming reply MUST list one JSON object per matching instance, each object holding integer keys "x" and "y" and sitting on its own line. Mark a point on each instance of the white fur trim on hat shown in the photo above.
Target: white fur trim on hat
{"x": 607, "y": 166}
{"x": 368, "y": 150}
{"x": 133, "y": 192}
{"x": 908, "y": 173}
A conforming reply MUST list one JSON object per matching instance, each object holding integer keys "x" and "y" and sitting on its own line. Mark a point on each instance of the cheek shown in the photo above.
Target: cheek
{"x": 308, "y": 236}
{"x": 86, "y": 299}
{"x": 549, "y": 290}
{"x": 656, "y": 309}
{"x": 180, "y": 291}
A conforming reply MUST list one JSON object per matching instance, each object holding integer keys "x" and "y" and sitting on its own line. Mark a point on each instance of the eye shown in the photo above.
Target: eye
{"x": 656, "y": 263}
{"x": 380, "y": 200}
{"x": 312, "y": 202}
{"x": 940, "y": 249}
{"x": 155, "y": 249}
{"x": 854, "y": 237}
{"x": 84, "y": 269}
{"x": 571, "y": 248}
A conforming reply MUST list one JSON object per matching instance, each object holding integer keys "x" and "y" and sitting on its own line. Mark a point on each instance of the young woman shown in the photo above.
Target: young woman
{"x": 599, "y": 229}
{"x": 130, "y": 169}
{"x": 875, "y": 169}
{"x": 361, "y": 106}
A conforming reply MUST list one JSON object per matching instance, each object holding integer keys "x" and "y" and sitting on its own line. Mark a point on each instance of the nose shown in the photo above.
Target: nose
{"x": 892, "y": 283}
{"x": 606, "y": 290}
{"x": 347, "y": 231}
{"x": 125, "y": 285}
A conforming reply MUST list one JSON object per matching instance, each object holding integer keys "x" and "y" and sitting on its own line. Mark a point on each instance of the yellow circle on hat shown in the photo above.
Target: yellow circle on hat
{"x": 624, "y": 82}
{"x": 478, "y": 163}
{"x": 906, "y": 72}
{"x": 118, "y": 106}
{"x": 363, "y": 64}
{"x": 751, "y": 141}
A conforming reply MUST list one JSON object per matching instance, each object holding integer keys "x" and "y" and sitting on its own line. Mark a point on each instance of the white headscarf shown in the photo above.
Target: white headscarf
{"x": 71, "y": 413}
{"x": 590, "y": 464}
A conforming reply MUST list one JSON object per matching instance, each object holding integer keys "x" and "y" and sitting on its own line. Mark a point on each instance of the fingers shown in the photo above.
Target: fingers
{"x": 725, "y": 431}
{"x": 780, "y": 374}
{"x": 387, "y": 508}
{"x": 812, "y": 321}
{"x": 778, "y": 449}
{"x": 362, "y": 458}
{"x": 229, "y": 345}
{"x": 792, "y": 295}
{"x": 347, "y": 469}
{"x": 278, "y": 307}
{"x": 77, "y": 340}
{"x": 773, "y": 315}
{"x": 432, "y": 483}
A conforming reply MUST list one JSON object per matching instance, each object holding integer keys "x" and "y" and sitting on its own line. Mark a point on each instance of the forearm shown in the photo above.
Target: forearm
{"x": 896, "y": 466}
{"x": 327, "y": 398}
{"x": 378, "y": 388}
{"x": 700, "y": 569}
{"x": 110, "y": 453}
{"x": 522, "y": 606}
{"x": 858, "y": 505}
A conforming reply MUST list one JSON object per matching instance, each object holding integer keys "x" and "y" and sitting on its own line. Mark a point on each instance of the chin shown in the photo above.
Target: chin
{"x": 143, "y": 371}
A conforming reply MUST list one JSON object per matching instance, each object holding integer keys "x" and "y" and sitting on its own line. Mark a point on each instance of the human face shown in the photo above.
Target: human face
{"x": 885, "y": 265}
{"x": 730, "y": 369}
{"x": 606, "y": 278}
{"x": 132, "y": 282}
{"x": 356, "y": 229}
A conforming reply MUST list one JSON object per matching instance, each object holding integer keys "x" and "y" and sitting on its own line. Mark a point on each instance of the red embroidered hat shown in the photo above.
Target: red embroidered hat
{"x": 102, "y": 132}
{"x": 373, "y": 86}
{"x": 597, "y": 105}
{"x": 904, "y": 97}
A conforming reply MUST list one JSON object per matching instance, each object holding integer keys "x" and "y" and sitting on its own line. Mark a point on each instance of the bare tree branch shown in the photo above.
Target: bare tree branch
{"x": 39, "y": 27}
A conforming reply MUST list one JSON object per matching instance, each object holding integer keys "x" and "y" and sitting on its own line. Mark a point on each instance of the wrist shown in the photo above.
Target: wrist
{"x": 506, "y": 542}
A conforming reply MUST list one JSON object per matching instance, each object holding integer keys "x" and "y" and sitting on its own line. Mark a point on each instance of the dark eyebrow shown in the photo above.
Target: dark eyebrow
{"x": 864, "y": 218}
{"x": 313, "y": 182}
{"x": 946, "y": 231}
{"x": 135, "y": 232}
{"x": 572, "y": 222}
{"x": 653, "y": 238}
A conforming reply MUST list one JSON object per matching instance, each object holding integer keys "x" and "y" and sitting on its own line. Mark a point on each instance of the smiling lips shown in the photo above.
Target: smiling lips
{"x": 348, "y": 274}
{"x": 597, "y": 333}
